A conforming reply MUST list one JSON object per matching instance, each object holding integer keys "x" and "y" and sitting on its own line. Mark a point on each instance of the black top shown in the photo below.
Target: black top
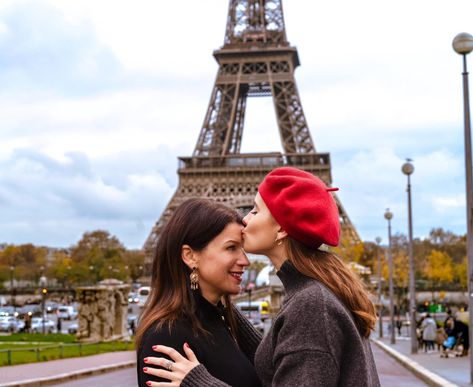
{"x": 218, "y": 352}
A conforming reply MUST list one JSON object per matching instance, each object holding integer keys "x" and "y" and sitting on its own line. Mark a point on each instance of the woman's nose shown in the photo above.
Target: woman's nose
{"x": 245, "y": 220}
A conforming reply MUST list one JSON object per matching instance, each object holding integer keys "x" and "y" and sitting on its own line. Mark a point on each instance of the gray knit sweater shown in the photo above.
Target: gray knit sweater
{"x": 313, "y": 342}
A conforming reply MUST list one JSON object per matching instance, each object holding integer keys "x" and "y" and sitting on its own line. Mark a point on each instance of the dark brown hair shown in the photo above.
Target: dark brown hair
{"x": 331, "y": 271}
{"x": 196, "y": 222}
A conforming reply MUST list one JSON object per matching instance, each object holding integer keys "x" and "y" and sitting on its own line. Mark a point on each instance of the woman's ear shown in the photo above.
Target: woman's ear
{"x": 281, "y": 234}
{"x": 189, "y": 257}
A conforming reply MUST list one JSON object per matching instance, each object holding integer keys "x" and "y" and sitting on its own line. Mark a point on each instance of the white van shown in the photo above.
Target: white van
{"x": 143, "y": 294}
{"x": 65, "y": 312}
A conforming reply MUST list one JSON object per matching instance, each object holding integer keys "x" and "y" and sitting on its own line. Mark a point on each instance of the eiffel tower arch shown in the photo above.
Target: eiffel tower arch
{"x": 256, "y": 60}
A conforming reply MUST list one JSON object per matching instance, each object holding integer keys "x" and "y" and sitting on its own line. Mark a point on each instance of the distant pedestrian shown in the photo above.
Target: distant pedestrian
{"x": 59, "y": 325}
{"x": 429, "y": 332}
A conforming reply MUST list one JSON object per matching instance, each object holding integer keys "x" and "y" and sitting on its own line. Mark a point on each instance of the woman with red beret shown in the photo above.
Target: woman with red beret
{"x": 320, "y": 337}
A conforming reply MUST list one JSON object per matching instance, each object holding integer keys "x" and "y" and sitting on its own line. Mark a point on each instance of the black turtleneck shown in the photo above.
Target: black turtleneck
{"x": 218, "y": 352}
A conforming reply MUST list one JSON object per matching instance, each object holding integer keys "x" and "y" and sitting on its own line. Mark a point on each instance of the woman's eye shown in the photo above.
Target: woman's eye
{"x": 232, "y": 248}
{"x": 253, "y": 212}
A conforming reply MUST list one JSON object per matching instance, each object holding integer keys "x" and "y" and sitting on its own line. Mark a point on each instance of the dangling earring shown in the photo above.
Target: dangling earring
{"x": 194, "y": 279}
{"x": 278, "y": 242}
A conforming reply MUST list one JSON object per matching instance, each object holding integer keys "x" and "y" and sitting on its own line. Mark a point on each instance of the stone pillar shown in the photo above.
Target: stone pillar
{"x": 103, "y": 311}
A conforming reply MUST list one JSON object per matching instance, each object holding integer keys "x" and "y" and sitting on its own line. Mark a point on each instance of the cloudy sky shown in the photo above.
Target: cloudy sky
{"x": 98, "y": 98}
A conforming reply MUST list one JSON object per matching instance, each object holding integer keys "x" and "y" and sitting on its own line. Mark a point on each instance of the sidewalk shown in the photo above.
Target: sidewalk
{"x": 43, "y": 373}
{"x": 454, "y": 370}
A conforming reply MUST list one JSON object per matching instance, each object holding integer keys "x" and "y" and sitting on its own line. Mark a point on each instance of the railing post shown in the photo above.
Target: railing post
{"x": 9, "y": 356}
{"x": 61, "y": 351}
{"x": 37, "y": 355}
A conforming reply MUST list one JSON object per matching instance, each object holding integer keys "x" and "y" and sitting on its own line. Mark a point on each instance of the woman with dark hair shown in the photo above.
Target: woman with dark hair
{"x": 320, "y": 337}
{"x": 198, "y": 264}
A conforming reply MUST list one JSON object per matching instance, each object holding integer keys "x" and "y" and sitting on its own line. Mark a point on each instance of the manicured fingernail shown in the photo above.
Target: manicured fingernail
{"x": 186, "y": 345}
{"x": 148, "y": 383}
{"x": 155, "y": 346}
{"x": 145, "y": 369}
{"x": 145, "y": 360}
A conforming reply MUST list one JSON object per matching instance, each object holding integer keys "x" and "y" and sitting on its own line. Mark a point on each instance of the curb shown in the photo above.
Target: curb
{"x": 70, "y": 375}
{"x": 421, "y": 372}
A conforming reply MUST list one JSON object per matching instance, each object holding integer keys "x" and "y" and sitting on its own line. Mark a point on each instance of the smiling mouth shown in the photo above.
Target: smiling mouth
{"x": 237, "y": 275}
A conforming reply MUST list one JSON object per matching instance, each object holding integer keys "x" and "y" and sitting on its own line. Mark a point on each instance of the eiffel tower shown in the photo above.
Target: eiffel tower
{"x": 256, "y": 60}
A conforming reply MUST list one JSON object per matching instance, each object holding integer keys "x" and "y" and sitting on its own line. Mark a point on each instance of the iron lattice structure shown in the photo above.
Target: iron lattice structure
{"x": 256, "y": 60}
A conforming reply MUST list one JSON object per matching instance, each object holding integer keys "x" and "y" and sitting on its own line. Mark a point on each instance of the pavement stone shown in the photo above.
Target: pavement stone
{"x": 456, "y": 370}
{"x": 20, "y": 374}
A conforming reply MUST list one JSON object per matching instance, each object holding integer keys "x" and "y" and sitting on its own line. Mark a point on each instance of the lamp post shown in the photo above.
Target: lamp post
{"x": 408, "y": 169}
{"x": 44, "y": 292}
{"x": 378, "y": 241}
{"x": 388, "y": 215}
{"x": 463, "y": 45}
{"x": 12, "y": 291}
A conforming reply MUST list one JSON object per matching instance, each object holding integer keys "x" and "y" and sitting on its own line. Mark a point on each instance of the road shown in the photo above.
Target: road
{"x": 391, "y": 374}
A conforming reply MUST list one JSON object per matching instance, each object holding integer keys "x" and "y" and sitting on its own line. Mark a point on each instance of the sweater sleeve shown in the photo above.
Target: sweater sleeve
{"x": 200, "y": 377}
{"x": 248, "y": 337}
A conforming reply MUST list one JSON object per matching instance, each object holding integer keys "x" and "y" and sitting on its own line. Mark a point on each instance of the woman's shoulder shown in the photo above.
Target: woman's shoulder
{"x": 317, "y": 298}
{"x": 167, "y": 333}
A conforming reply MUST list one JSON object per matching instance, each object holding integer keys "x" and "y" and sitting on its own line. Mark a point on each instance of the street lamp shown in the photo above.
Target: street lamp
{"x": 408, "y": 170}
{"x": 463, "y": 45}
{"x": 388, "y": 215}
{"x": 44, "y": 292}
{"x": 378, "y": 241}
{"x": 12, "y": 269}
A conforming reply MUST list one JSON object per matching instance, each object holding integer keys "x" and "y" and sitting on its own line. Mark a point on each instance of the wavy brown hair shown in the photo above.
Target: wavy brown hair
{"x": 331, "y": 271}
{"x": 196, "y": 222}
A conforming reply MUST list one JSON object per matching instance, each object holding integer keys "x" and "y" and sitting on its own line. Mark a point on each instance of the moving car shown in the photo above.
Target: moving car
{"x": 143, "y": 294}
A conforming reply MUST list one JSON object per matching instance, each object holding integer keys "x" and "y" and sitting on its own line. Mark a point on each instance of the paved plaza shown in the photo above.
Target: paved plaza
{"x": 456, "y": 370}
{"x": 391, "y": 373}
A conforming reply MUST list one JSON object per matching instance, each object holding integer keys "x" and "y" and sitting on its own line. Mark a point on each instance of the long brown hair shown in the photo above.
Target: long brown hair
{"x": 196, "y": 222}
{"x": 331, "y": 271}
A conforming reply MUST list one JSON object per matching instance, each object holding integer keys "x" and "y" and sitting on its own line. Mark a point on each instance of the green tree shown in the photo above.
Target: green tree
{"x": 99, "y": 255}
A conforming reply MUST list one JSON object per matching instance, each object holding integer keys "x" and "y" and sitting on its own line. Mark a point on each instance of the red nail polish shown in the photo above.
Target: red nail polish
{"x": 148, "y": 383}
{"x": 146, "y": 360}
{"x": 154, "y": 346}
{"x": 145, "y": 369}
{"x": 186, "y": 345}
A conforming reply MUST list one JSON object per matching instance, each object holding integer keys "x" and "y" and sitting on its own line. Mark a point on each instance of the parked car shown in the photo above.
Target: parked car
{"x": 73, "y": 328}
{"x": 9, "y": 324}
{"x": 37, "y": 325}
{"x": 51, "y": 306}
{"x": 66, "y": 312}
{"x": 257, "y": 324}
{"x": 133, "y": 298}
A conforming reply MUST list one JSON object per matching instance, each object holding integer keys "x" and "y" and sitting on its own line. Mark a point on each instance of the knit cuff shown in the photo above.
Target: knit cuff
{"x": 200, "y": 377}
{"x": 248, "y": 337}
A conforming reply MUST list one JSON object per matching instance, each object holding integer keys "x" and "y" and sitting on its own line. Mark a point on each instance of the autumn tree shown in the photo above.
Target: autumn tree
{"x": 439, "y": 269}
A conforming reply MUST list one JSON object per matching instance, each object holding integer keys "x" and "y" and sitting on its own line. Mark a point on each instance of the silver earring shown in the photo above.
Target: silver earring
{"x": 194, "y": 277}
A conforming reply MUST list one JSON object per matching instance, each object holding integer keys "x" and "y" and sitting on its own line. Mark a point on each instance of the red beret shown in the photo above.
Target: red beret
{"x": 302, "y": 205}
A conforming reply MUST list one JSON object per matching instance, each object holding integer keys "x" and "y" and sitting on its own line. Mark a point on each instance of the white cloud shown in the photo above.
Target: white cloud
{"x": 96, "y": 106}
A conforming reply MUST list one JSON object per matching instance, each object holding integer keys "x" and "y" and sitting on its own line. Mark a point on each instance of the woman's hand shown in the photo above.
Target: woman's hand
{"x": 175, "y": 370}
